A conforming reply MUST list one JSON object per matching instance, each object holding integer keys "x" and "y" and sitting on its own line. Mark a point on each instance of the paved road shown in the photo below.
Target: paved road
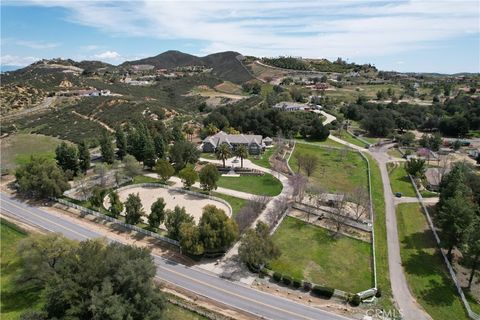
{"x": 401, "y": 292}
{"x": 201, "y": 283}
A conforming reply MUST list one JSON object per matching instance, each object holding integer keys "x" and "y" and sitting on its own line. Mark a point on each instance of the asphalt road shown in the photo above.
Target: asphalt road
{"x": 202, "y": 283}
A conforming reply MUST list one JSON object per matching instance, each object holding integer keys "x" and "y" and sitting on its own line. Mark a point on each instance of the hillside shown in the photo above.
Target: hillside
{"x": 167, "y": 60}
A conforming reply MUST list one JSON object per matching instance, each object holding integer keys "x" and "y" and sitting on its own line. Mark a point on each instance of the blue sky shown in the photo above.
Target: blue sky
{"x": 420, "y": 35}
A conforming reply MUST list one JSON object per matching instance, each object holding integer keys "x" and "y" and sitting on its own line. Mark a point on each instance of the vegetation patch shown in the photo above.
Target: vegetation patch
{"x": 266, "y": 184}
{"x": 325, "y": 260}
{"x": 400, "y": 181}
{"x": 424, "y": 266}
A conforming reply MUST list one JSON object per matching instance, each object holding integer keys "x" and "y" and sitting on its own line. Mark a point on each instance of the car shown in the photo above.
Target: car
{"x": 398, "y": 194}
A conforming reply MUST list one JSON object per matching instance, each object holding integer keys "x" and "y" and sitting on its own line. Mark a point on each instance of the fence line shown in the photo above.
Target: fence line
{"x": 470, "y": 312}
{"x": 116, "y": 221}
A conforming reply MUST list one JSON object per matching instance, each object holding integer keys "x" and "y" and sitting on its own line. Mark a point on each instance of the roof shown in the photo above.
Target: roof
{"x": 434, "y": 175}
{"x": 222, "y": 137}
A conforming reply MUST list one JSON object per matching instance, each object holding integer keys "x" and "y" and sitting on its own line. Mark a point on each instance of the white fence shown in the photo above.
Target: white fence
{"x": 471, "y": 314}
{"x": 116, "y": 221}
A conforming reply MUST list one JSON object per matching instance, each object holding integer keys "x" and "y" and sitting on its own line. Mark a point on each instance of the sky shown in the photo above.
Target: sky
{"x": 408, "y": 36}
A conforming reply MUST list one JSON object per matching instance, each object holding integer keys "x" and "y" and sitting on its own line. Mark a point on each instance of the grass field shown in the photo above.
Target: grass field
{"x": 266, "y": 185}
{"x": 14, "y": 301}
{"x": 400, "y": 181}
{"x": 349, "y": 138}
{"x": 311, "y": 253}
{"x": 263, "y": 161}
{"x": 381, "y": 249}
{"x": 326, "y": 143}
{"x": 395, "y": 153}
{"x": 235, "y": 203}
{"x": 174, "y": 312}
{"x": 424, "y": 267}
{"x": 337, "y": 171}
{"x": 18, "y": 148}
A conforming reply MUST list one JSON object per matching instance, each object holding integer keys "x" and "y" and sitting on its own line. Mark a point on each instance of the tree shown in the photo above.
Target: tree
{"x": 101, "y": 169}
{"x": 415, "y": 167}
{"x": 159, "y": 143}
{"x": 121, "y": 142}
{"x": 132, "y": 166}
{"x": 190, "y": 239}
{"x": 406, "y": 139}
{"x": 96, "y": 199}
{"x": 149, "y": 154}
{"x": 298, "y": 184}
{"x": 157, "y": 213}
{"x": 116, "y": 206}
{"x": 242, "y": 153}
{"x": 217, "y": 231}
{"x": 318, "y": 131}
{"x": 177, "y": 134}
{"x": 133, "y": 209}
{"x": 361, "y": 203}
{"x": 183, "y": 153}
{"x": 67, "y": 157}
{"x": 83, "y": 157}
{"x": 188, "y": 176}
{"x": 189, "y": 131}
{"x": 164, "y": 169}
{"x": 223, "y": 152}
{"x": 209, "y": 176}
{"x": 455, "y": 217}
{"x": 340, "y": 216}
{"x": 471, "y": 249}
{"x": 106, "y": 148}
{"x": 307, "y": 162}
{"x": 40, "y": 177}
{"x": 174, "y": 219}
{"x": 98, "y": 280}
{"x": 257, "y": 247}
{"x": 249, "y": 212}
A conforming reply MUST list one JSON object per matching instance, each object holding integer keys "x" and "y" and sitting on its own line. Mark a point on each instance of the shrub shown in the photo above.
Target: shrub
{"x": 297, "y": 283}
{"x": 264, "y": 271}
{"x": 287, "y": 280}
{"x": 355, "y": 300}
{"x": 378, "y": 294}
{"x": 307, "y": 286}
{"x": 325, "y": 292}
{"x": 277, "y": 276}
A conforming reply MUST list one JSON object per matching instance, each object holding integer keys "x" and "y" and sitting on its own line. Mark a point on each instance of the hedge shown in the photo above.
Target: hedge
{"x": 355, "y": 300}
{"x": 325, "y": 292}
{"x": 277, "y": 276}
{"x": 307, "y": 286}
{"x": 297, "y": 283}
{"x": 378, "y": 294}
{"x": 287, "y": 280}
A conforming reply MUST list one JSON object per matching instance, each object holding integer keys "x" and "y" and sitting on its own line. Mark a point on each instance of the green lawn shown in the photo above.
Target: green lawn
{"x": 424, "y": 266}
{"x": 311, "y": 253}
{"x": 381, "y": 249}
{"x": 18, "y": 148}
{"x": 263, "y": 161}
{"x": 395, "y": 153}
{"x": 400, "y": 181}
{"x": 14, "y": 300}
{"x": 326, "y": 143}
{"x": 260, "y": 185}
{"x": 208, "y": 155}
{"x": 349, "y": 138}
{"x": 235, "y": 203}
{"x": 429, "y": 194}
{"x": 174, "y": 312}
{"x": 337, "y": 171}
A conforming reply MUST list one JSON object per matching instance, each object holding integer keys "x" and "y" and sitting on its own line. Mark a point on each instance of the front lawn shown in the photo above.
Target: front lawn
{"x": 311, "y": 253}
{"x": 266, "y": 185}
{"x": 424, "y": 267}
{"x": 399, "y": 180}
{"x": 337, "y": 170}
{"x": 235, "y": 203}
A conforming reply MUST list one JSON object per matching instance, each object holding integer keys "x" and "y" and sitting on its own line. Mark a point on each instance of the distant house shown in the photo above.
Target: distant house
{"x": 254, "y": 143}
{"x": 291, "y": 106}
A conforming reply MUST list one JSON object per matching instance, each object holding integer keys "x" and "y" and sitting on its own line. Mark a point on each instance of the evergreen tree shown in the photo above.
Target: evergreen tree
{"x": 174, "y": 219}
{"x": 133, "y": 209}
{"x": 190, "y": 239}
{"x": 159, "y": 146}
{"x": 149, "y": 154}
{"x": 157, "y": 213}
{"x": 217, "y": 231}
{"x": 188, "y": 176}
{"x": 116, "y": 206}
{"x": 164, "y": 169}
{"x": 106, "y": 148}
{"x": 83, "y": 156}
{"x": 121, "y": 141}
{"x": 67, "y": 157}
{"x": 209, "y": 176}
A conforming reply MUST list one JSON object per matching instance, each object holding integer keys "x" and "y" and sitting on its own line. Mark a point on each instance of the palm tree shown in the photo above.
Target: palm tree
{"x": 223, "y": 152}
{"x": 242, "y": 153}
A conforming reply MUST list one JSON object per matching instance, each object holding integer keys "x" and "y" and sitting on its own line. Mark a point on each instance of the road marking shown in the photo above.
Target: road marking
{"x": 234, "y": 294}
{"x": 44, "y": 219}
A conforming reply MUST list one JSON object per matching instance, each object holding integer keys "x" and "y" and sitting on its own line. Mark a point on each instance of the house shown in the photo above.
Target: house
{"x": 268, "y": 141}
{"x": 291, "y": 106}
{"x": 254, "y": 143}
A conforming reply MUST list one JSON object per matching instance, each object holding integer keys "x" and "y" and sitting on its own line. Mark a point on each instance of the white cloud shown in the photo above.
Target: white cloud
{"x": 303, "y": 28}
{"x": 11, "y": 60}
{"x": 108, "y": 55}
{"x": 36, "y": 44}
{"x": 90, "y": 47}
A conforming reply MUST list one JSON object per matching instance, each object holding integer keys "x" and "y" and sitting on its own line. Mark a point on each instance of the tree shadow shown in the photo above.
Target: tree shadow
{"x": 418, "y": 241}
{"x": 440, "y": 293}
{"x": 421, "y": 264}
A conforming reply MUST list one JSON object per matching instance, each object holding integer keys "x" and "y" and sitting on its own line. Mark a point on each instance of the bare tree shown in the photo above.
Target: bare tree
{"x": 280, "y": 205}
{"x": 83, "y": 187}
{"x": 101, "y": 170}
{"x": 298, "y": 183}
{"x": 360, "y": 203}
{"x": 249, "y": 213}
{"x": 340, "y": 216}
{"x": 310, "y": 163}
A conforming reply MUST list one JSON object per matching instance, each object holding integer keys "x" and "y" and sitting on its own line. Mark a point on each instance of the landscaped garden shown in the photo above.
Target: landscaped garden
{"x": 399, "y": 180}
{"x": 337, "y": 170}
{"x": 266, "y": 184}
{"x": 311, "y": 253}
{"x": 424, "y": 267}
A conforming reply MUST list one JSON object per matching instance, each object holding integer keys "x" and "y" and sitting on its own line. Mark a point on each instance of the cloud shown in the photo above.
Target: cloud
{"x": 354, "y": 29}
{"x": 12, "y": 60}
{"x": 90, "y": 47}
{"x": 36, "y": 44}
{"x": 108, "y": 55}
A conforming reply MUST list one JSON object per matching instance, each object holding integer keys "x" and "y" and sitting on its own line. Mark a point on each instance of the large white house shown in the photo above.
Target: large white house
{"x": 254, "y": 143}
